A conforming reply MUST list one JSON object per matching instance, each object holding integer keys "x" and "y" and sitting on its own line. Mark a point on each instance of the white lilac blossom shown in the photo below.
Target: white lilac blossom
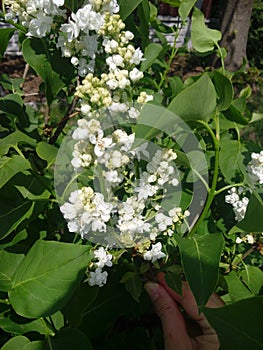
{"x": 155, "y": 253}
{"x": 37, "y": 15}
{"x": 104, "y": 258}
{"x": 248, "y": 238}
{"x": 98, "y": 277}
{"x": 238, "y": 201}
{"x": 255, "y": 167}
{"x": 86, "y": 211}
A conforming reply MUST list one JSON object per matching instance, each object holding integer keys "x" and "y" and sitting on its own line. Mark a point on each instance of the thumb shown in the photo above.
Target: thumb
{"x": 173, "y": 323}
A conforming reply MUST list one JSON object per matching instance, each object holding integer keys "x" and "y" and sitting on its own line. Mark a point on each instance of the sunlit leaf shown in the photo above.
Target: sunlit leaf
{"x": 202, "y": 95}
{"x": 10, "y": 166}
{"x": 47, "y": 152}
{"x": 127, "y": 7}
{"x": 47, "y": 277}
{"x": 203, "y": 38}
{"x": 152, "y": 51}
{"x": 8, "y": 264}
{"x": 185, "y": 8}
{"x": 16, "y": 343}
{"x": 200, "y": 260}
{"x": 15, "y": 139}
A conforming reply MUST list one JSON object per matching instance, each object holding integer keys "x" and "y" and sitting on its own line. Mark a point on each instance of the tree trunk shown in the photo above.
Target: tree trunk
{"x": 234, "y": 27}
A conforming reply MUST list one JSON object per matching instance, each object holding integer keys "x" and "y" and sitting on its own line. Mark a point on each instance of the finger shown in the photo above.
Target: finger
{"x": 173, "y": 323}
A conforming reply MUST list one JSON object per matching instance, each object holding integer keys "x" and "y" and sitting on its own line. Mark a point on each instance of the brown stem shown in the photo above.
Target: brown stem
{"x": 63, "y": 122}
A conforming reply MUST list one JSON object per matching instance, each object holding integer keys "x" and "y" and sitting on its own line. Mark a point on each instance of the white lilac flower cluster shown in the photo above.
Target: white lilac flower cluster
{"x": 99, "y": 277}
{"x": 236, "y": 196}
{"x": 255, "y": 167}
{"x": 238, "y": 201}
{"x": 115, "y": 155}
{"x": 136, "y": 217}
{"x": 37, "y": 15}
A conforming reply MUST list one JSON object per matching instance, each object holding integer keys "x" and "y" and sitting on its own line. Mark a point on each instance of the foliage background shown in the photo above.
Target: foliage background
{"x": 37, "y": 249}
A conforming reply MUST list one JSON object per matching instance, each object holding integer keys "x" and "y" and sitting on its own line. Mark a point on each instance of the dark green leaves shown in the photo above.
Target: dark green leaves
{"x": 224, "y": 90}
{"x": 230, "y": 158}
{"x": 239, "y": 326}
{"x": 5, "y": 36}
{"x": 133, "y": 284}
{"x": 14, "y": 209}
{"x": 254, "y": 210}
{"x": 53, "y": 69}
{"x": 200, "y": 259}
{"x": 47, "y": 278}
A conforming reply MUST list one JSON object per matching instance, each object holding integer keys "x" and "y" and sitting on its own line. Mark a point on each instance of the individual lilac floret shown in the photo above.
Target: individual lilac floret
{"x": 103, "y": 257}
{"x": 155, "y": 253}
{"x": 98, "y": 278}
{"x": 238, "y": 203}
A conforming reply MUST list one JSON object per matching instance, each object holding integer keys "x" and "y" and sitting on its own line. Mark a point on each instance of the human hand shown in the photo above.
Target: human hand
{"x": 167, "y": 301}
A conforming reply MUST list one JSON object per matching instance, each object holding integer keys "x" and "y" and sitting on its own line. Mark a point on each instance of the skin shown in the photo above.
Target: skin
{"x": 167, "y": 302}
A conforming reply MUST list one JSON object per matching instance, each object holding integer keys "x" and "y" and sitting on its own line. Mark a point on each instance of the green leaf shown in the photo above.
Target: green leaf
{"x": 176, "y": 85}
{"x": 203, "y": 39}
{"x": 55, "y": 70}
{"x": 133, "y": 285}
{"x": 236, "y": 289}
{"x": 70, "y": 338}
{"x": 224, "y": 90}
{"x": 47, "y": 278}
{"x": 152, "y": 51}
{"x": 256, "y": 117}
{"x": 200, "y": 259}
{"x": 47, "y": 152}
{"x": 13, "y": 85}
{"x": 73, "y": 5}
{"x": 12, "y": 323}
{"x": 174, "y": 281}
{"x": 202, "y": 95}
{"x": 14, "y": 209}
{"x": 8, "y": 265}
{"x": 11, "y": 166}
{"x": 12, "y": 104}
{"x": 127, "y": 7}
{"x": 185, "y": 8}
{"x": 16, "y": 343}
{"x": 35, "y": 345}
{"x": 5, "y": 36}
{"x": 32, "y": 187}
{"x": 252, "y": 276}
{"x": 79, "y": 303}
{"x": 230, "y": 158}
{"x": 250, "y": 223}
{"x": 13, "y": 140}
{"x": 237, "y": 111}
{"x": 239, "y": 325}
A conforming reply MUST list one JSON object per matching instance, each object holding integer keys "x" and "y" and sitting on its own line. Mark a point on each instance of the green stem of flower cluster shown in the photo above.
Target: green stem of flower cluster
{"x": 212, "y": 191}
{"x": 173, "y": 53}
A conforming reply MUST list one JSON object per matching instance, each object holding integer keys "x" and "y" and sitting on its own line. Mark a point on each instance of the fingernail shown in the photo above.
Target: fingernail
{"x": 152, "y": 290}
